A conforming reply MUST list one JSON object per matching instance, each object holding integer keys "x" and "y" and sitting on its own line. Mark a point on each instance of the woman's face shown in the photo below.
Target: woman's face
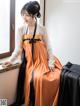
{"x": 27, "y": 17}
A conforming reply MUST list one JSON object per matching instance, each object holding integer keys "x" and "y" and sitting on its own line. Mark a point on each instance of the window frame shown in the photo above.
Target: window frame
{"x": 12, "y": 30}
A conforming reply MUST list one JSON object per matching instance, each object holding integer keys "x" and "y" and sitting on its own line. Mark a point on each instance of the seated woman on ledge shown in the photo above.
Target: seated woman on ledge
{"x": 42, "y": 72}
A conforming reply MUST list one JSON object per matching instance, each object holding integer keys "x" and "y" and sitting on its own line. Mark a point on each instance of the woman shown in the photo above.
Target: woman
{"x": 42, "y": 71}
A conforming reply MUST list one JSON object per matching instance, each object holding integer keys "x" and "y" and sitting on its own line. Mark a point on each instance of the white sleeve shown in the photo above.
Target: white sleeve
{"x": 49, "y": 49}
{"x": 16, "y": 55}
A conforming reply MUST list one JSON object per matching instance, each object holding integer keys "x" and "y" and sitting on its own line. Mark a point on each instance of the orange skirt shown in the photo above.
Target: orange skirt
{"x": 45, "y": 81}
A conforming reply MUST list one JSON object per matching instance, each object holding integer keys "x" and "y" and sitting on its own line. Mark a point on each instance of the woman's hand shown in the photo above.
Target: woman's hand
{"x": 6, "y": 64}
{"x": 51, "y": 67}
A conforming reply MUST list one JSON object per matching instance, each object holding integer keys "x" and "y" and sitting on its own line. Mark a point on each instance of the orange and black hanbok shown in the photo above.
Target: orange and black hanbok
{"x": 40, "y": 84}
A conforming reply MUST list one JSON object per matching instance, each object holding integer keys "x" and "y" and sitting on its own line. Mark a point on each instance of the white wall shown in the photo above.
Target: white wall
{"x": 8, "y": 85}
{"x": 63, "y": 26}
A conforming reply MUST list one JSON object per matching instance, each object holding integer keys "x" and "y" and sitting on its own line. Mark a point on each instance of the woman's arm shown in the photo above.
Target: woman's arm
{"x": 18, "y": 49}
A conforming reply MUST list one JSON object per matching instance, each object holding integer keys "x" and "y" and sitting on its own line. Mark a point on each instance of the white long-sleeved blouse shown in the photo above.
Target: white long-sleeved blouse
{"x": 18, "y": 49}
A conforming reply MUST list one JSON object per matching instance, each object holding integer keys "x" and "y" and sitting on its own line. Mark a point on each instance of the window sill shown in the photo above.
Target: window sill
{"x": 14, "y": 66}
